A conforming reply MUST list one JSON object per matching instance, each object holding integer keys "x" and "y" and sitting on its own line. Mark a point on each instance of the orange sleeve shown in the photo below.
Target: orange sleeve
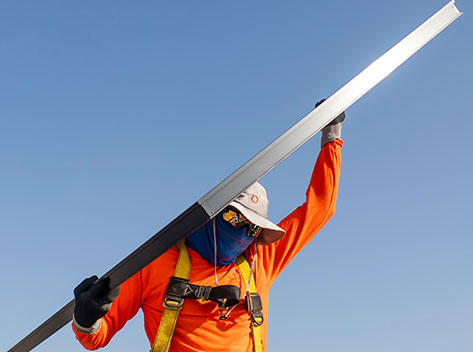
{"x": 123, "y": 309}
{"x": 304, "y": 222}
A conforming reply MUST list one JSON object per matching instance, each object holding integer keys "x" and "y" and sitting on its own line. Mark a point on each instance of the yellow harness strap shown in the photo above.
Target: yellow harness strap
{"x": 256, "y": 320}
{"x": 172, "y": 304}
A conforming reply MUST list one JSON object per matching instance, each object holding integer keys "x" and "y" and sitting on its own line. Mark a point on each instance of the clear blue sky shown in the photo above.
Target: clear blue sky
{"x": 115, "y": 116}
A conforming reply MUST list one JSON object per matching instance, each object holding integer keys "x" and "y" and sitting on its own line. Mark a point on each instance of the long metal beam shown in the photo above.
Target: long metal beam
{"x": 318, "y": 118}
{"x": 219, "y": 197}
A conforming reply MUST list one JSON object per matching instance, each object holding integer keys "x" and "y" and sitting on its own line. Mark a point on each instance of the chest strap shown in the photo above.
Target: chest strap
{"x": 225, "y": 296}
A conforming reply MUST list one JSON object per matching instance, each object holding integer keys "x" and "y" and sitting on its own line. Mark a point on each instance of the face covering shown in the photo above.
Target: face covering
{"x": 231, "y": 242}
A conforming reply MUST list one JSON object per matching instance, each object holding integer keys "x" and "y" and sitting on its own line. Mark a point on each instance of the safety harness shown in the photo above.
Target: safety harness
{"x": 225, "y": 296}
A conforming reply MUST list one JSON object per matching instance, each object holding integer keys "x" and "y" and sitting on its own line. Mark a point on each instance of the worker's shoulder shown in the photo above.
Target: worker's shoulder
{"x": 162, "y": 265}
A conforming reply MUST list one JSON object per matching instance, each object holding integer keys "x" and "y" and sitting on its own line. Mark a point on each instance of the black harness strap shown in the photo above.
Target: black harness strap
{"x": 225, "y": 296}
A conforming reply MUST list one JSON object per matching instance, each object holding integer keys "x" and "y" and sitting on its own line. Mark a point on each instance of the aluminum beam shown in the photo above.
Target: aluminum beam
{"x": 217, "y": 199}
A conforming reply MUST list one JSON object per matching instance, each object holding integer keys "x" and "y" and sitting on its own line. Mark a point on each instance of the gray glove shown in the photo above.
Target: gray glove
{"x": 333, "y": 130}
{"x": 93, "y": 299}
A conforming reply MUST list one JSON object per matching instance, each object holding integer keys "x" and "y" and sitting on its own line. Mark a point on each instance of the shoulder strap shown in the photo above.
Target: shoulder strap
{"x": 253, "y": 301}
{"x": 172, "y": 304}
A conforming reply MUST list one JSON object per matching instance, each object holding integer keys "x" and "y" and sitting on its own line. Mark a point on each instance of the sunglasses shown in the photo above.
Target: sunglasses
{"x": 238, "y": 221}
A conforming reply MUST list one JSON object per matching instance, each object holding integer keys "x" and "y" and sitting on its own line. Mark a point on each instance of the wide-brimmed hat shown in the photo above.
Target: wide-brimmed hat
{"x": 253, "y": 205}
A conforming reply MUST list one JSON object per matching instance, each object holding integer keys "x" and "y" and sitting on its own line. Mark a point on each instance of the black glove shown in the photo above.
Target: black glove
{"x": 334, "y": 129}
{"x": 338, "y": 119}
{"x": 93, "y": 300}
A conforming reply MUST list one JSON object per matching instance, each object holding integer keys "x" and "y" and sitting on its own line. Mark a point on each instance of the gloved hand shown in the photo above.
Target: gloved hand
{"x": 93, "y": 300}
{"x": 333, "y": 130}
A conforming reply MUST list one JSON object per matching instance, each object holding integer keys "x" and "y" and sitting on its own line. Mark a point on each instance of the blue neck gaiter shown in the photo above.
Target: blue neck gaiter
{"x": 231, "y": 242}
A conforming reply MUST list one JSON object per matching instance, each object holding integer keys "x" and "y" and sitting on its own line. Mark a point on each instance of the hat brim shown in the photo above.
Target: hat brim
{"x": 271, "y": 232}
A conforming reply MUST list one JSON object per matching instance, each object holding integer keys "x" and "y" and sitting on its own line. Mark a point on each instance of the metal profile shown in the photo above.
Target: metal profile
{"x": 282, "y": 147}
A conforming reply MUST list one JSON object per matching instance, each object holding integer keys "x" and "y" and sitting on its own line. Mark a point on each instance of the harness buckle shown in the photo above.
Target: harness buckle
{"x": 255, "y": 308}
{"x": 173, "y": 302}
{"x": 174, "y": 298}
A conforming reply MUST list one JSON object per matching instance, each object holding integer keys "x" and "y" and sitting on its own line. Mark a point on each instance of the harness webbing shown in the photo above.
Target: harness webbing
{"x": 173, "y": 304}
{"x": 255, "y": 310}
{"x": 225, "y": 295}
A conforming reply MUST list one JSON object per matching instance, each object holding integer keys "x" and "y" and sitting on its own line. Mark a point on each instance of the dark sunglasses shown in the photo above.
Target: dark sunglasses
{"x": 238, "y": 221}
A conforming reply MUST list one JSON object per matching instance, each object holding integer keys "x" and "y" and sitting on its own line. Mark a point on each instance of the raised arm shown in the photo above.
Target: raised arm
{"x": 304, "y": 222}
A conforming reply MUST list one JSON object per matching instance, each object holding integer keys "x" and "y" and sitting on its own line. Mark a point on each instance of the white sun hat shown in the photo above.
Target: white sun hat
{"x": 253, "y": 205}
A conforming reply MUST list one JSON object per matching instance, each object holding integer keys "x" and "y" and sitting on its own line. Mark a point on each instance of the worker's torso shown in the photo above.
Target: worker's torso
{"x": 199, "y": 327}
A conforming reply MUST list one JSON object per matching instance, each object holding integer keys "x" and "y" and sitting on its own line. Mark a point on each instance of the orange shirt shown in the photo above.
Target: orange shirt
{"x": 198, "y": 326}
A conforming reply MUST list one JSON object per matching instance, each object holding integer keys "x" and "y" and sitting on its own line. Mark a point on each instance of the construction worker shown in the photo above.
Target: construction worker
{"x": 210, "y": 292}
